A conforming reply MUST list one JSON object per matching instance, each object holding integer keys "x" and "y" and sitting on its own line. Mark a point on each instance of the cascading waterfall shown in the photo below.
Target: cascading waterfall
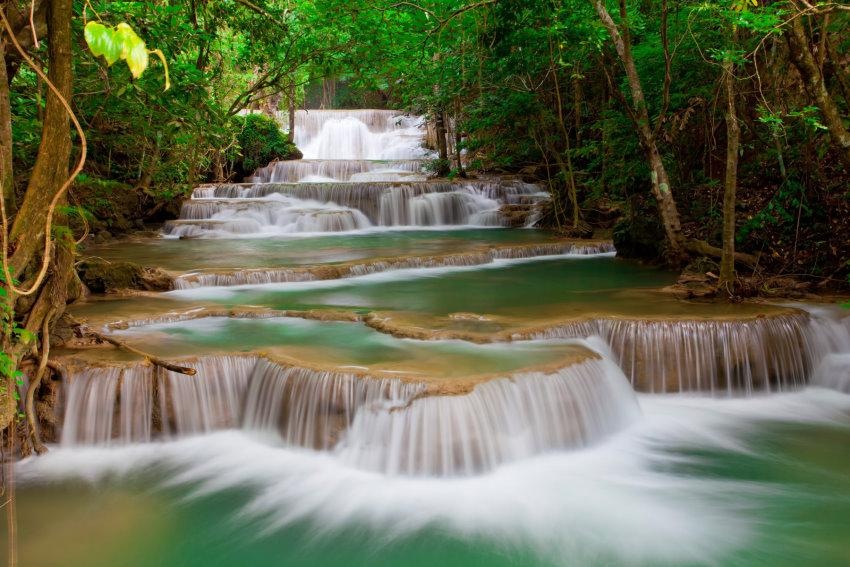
{"x": 359, "y": 135}
{"x": 325, "y": 171}
{"x": 381, "y": 424}
{"x": 362, "y": 169}
{"x": 764, "y": 354}
{"x": 279, "y": 208}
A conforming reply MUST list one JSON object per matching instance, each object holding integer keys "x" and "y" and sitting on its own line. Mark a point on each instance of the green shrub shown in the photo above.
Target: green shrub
{"x": 260, "y": 141}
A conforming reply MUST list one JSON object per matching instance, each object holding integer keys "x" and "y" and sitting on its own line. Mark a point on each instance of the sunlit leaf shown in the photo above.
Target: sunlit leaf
{"x": 137, "y": 58}
{"x": 102, "y": 42}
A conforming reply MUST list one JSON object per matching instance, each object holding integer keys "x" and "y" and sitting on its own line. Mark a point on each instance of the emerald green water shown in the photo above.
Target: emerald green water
{"x": 195, "y": 254}
{"x": 695, "y": 482}
{"x": 770, "y": 491}
{"x": 524, "y": 291}
{"x": 552, "y": 287}
{"x": 342, "y": 345}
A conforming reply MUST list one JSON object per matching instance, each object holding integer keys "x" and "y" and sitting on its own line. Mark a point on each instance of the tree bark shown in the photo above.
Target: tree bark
{"x": 803, "y": 59}
{"x": 6, "y": 171}
{"x": 640, "y": 117}
{"x": 733, "y": 136}
{"x": 442, "y": 145}
{"x": 54, "y": 152}
{"x": 290, "y": 96}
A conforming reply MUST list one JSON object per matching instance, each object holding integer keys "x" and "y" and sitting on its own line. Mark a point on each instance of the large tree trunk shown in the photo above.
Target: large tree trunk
{"x": 6, "y": 177}
{"x": 54, "y": 152}
{"x": 733, "y": 136}
{"x": 640, "y": 116}
{"x": 47, "y": 302}
{"x": 803, "y": 59}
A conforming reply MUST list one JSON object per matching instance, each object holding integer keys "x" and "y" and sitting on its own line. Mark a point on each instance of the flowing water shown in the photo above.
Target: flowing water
{"x": 386, "y": 375}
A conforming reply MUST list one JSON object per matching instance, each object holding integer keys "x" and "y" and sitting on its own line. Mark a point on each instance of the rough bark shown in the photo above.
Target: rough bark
{"x": 803, "y": 59}
{"x": 640, "y": 116}
{"x": 6, "y": 172}
{"x": 733, "y": 135}
{"x": 51, "y": 166}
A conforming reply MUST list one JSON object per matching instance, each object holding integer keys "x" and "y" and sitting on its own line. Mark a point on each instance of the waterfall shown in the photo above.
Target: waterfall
{"x": 725, "y": 357}
{"x": 387, "y": 425}
{"x": 227, "y": 210}
{"x": 499, "y": 421}
{"x": 359, "y": 135}
{"x": 323, "y": 171}
{"x": 362, "y": 169}
{"x": 355, "y": 269}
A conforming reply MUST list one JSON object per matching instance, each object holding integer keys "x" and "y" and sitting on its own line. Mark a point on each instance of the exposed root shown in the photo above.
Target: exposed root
{"x": 704, "y": 248}
{"x": 35, "y": 435}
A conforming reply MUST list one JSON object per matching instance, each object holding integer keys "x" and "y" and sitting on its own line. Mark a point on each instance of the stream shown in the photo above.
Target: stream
{"x": 393, "y": 370}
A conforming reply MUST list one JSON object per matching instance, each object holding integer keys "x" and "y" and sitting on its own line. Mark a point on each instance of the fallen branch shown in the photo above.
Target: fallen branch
{"x": 101, "y": 338}
{"x": 704, "y": 248}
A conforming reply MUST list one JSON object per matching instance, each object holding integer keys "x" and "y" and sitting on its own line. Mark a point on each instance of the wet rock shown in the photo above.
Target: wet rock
{"x": 583, "y": 230}
{"x": 102, "y": 237}
{"x": 515, "y": 215}
{"x": 101, "y": 276}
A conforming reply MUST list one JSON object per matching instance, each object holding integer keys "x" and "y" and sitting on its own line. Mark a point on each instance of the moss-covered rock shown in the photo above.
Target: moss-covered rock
{"x": 101, "y": 276}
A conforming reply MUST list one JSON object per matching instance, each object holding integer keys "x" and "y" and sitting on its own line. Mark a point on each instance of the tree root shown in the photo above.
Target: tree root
{"x": 35, "y": 435}
{"x": 704, "y": 248}
{"x": 101, "y": 338}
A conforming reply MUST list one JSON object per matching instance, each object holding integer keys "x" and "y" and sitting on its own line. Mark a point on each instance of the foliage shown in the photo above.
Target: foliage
{"x": 259, "y": 141}
{"x": 121, "y": 42}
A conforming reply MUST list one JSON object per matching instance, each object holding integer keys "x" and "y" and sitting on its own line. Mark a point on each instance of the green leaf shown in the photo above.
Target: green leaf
{"x": 126, "y": 39}
{"x": 137, "y": 58}
{"x": 102, "y": 42}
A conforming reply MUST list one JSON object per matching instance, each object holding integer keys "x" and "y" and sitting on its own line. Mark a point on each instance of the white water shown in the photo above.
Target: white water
{"x": 362, "y": 169}
{"x": 359, "y": 135}
{"x": 274, "y": 209}
{"x": 619, "y": 500}
{"x": 386, "y": 425}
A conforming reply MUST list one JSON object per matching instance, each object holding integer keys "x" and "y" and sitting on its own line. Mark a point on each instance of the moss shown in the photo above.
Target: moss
{"x": 260, "y": 142}
{"x": 101, "y": 276}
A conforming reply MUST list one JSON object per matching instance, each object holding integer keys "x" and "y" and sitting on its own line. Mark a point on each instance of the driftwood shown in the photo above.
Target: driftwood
{"x": 99, "y": 337}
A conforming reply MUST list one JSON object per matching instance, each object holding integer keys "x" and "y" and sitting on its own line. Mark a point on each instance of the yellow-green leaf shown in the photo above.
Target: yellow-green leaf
{"x": 137, "y": 58}
{"x": 126, "y": 38}
{"x": 101, "y": 41}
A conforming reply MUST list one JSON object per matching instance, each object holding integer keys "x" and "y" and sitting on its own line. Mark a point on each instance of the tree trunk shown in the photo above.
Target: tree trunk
{"x": 290, "y": 95}
{"x": 442, "y": 146}
{"x": 733, "y": 135}
{"x": 640, "y": 117}
{"x": 54, "y": 152}
{"x": 804, "y": 61}
{"x": 6, "y": 171}
{"x": 461, "y": 170}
